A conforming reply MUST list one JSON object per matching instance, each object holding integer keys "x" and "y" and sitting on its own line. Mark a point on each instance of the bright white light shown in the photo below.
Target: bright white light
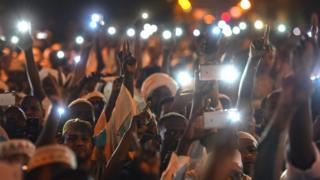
{"x": 236, "y": 30}
{"x": 147, "y": 26}
{"x": 309, "y": 34}
{"x": 179, "y": 31}
{"x": 296, "y": 31}
{"x": 112, "y": 30}
{"x": 227, "y": 31}
{"x": 282, "y": 28}
{"x": 144, "y": 34}
{"x": 184, "y": 78}
{"x": 196, "y": 32}
{"x": 154, "y": 28}
{"x": 23, "y": 26}
{"x": 216, "y": 30}
{"x": 145, "y": 15}
{"x": 258, "y": 24}
{"x": 3, "y": 38}
{"x": 79, "y": 39}
{"x": 166, "y": 34}
{"x": 60, "y": 54}
{"x": 14, "y": 39}
{"x": 131, "y": 32}
{"x": 77, "y": 59}
{"x": 229, "y": 74}
{"x": 61, "y": 111}
{"x": 42, "y": 35}
{"x": 221, "y": 24}
{"x": 96, "y": 17}
{"x": 243, "y": 25}
{"x": 234, "y": 115}
{"x": 93, "y": 25}
{"x": 245, "y": 4}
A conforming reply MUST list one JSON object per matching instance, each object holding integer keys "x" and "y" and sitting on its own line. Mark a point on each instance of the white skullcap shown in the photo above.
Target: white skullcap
{"x": 53, "y": 154}
{"x": 157, "y": 80}
{"x": 80, "y": 100}
{"x": 16, "y": 147}
{"x": 245, "y": 135}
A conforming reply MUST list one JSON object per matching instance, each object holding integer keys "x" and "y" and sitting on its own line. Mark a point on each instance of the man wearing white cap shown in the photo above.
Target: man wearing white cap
{"x": 157, "y": 87}
{"x": 49, "y": 161}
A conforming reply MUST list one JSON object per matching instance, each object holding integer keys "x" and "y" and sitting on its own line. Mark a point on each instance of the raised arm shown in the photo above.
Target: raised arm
{"x": 80, "y": 69}
{"x": 99, "y": 55}
{"x": 258, "y": 50}
{"x": 31, "y": 68}
{"x": 48, "y": 133}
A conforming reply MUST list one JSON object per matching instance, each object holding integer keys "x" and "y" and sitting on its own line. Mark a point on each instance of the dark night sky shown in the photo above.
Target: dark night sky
{"x": 71, "y": 14}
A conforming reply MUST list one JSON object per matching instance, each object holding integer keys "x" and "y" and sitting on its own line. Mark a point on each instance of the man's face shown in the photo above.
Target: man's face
{"x": 80, "y": 142}
{"x": 157, "y": 96}
{"x": 32, "y": 108}
{"x": 248, "y": 150}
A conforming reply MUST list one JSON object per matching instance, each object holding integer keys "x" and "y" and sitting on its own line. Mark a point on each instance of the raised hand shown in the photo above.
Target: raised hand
{"x": 260, "y": 47}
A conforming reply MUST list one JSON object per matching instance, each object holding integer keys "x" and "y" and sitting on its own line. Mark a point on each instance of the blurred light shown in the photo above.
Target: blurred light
{"x": 14, "y": 39}
{"x": 178, "y": 31}
{"x": 216, "y": 30}
{"x": 23, "y": 26}
{"x": 145, "y": 15}
{"x": 309, "y": 34}
{"x": 147, "y": 26}
{"x": 226, "y": 16}
{"x": 245, "y": 4}
{"x": 166, "y": 34}
{"x": 233, "y": 115}
{"x": 282, "y": 28}
{"x": 95, "y": 17}
{"x": 235, "y": 12}
{"x": 112, "y": 30}
{"x": 243, "y": 25}
{"x": 3, "y": 38}
{"x": 229, "y": 74}
{"x": 185, "y": 5}
{"x": 144, "y": 34}
{"x": 208, "y": 19}
{"x": 296, "y": 31}
{"x": 184, "y": 78}
{"x": 154, "y": 28}
{"x": 258, "y": 24}
{"x": 227, "y": 31}
{"x": 61, "y": 111}
{"x": 131, "y": 32}
{"x": 24, "y": 167}
{"x": 60, "y": 54}
{"x": 221, "y": 24}
{"x": 79, "y": 40}
{"x": 236, "y": 30}
{"x": 77, "y": 59}
{"x": 196, "y": 32}
{"x": 93, "y": 24}
{"x": 42, "y": 35}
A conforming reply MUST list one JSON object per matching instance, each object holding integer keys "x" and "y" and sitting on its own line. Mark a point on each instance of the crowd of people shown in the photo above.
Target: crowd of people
{"x": 113, "y": 109}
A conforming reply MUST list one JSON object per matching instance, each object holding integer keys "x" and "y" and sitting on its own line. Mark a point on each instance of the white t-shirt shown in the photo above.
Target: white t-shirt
{"x": 294, "y": 173}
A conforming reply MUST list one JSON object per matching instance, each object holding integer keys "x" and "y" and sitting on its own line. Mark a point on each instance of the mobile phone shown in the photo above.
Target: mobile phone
{"x": 221, "y": 119}
{"x": 7, "y": 99}
{"x": 214, "y": 72}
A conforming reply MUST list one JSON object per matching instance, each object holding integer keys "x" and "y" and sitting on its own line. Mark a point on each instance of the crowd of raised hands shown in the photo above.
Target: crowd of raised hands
{"x": 93, "y": 119}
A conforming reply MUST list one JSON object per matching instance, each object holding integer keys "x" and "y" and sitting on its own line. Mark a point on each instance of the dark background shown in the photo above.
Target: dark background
{"x": 65, "y": 17}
